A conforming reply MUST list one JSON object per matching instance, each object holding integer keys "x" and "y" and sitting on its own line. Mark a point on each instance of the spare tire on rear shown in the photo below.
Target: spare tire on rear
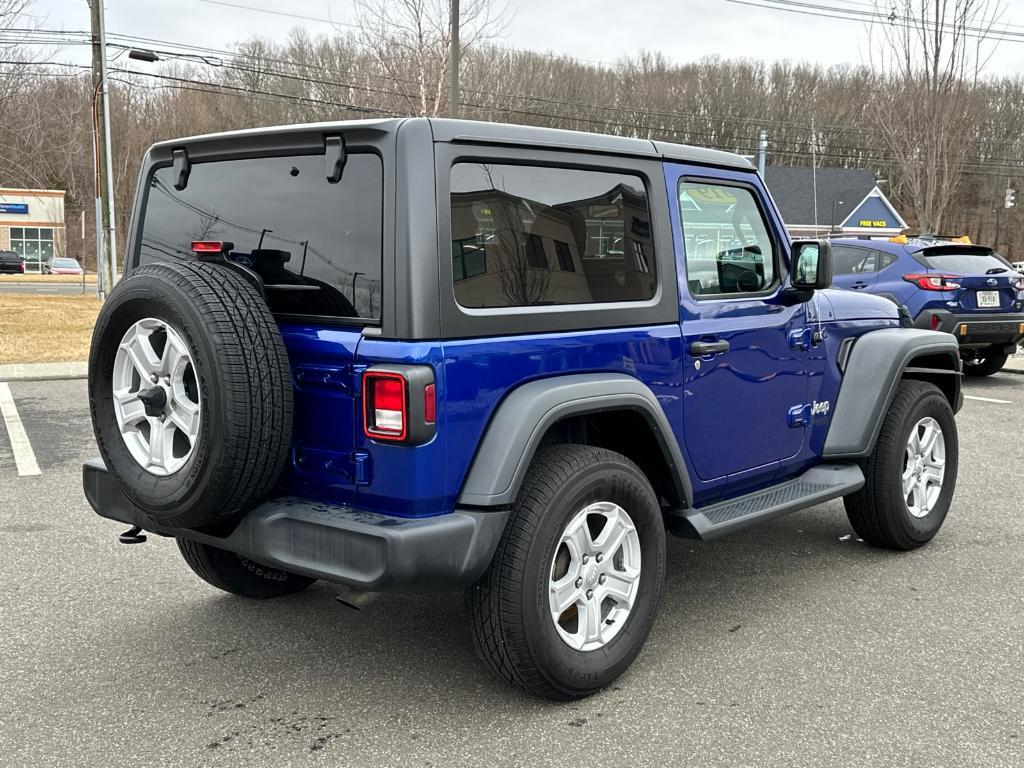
{"x": 190, "y": 392}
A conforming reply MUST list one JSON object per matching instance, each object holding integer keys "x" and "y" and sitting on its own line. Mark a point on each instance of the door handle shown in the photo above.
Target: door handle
{"x": 702, "y": 348}
{"x": 859, "y": 284}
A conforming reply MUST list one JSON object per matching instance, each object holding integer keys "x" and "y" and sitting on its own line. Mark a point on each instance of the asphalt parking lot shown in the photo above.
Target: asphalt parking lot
{"x": 788, "y": 644}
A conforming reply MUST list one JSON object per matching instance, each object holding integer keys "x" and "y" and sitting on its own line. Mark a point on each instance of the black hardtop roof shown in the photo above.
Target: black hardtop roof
{"x": 472, "y": 131}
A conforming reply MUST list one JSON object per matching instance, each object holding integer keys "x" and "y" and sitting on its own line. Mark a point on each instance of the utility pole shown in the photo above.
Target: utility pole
{"x": 1009, "y": 200}
{"x": 814, "y": 174}
{"x": 453, "y": 73}
{"x": 762, "y": 157}
{"x": 106, "y": 241}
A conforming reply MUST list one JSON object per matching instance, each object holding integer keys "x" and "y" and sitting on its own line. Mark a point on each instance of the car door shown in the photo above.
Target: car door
{"x": 854, "y": 268}
{"x": 744, "y": 374}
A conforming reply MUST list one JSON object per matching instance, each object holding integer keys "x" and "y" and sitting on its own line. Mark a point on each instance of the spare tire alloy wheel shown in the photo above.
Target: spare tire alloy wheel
{"x": 190, "y": 392}
{"x": 156, "y": 396}
{"x": 595, "y": 576}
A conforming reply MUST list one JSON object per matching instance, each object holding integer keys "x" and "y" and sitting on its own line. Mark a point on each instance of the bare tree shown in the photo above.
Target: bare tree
{"x": 411, "y": 41}
{"x": 13, "y": 14}
{"x": 928, "y": 60}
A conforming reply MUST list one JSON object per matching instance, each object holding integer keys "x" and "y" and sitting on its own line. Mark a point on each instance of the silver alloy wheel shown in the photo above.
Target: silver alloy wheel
{"x": 594, "y": 576}
{"x": 924, "y": 467}
{"x": 156, "y": 396}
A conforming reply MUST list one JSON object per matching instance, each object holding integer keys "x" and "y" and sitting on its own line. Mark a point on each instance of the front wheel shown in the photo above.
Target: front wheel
{"x": 910, "y": 477}
{"x": 571, "y": 594}
{"x": 983, "y": 362}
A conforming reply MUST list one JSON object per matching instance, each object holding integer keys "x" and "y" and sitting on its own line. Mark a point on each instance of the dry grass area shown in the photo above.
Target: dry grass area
{"x": 46, "y": 329}
{"x": 47, "y": 279}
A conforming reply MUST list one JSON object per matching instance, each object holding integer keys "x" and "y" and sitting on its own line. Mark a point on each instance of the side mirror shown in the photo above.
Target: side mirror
{"x": 812, "y": 264}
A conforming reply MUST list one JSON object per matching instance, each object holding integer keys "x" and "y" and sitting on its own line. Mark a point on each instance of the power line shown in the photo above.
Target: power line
{"x": 758, "y": 122}
{"x": 876, "y": 17}
{"x": 285, "y": 14}
{"x": 322, "y": 20}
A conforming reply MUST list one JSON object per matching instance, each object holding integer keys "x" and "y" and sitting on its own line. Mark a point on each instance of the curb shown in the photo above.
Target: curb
{"x": 43, "y": 371}
{"x": 1014, "y": 365}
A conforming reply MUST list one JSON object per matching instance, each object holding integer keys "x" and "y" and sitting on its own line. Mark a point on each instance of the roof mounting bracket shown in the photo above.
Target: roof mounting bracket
{"x": 182, "y": 167}
{"x": 336, "y": 157}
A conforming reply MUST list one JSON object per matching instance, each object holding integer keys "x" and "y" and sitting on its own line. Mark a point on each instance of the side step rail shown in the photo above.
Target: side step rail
{"x": 816, "y": 485}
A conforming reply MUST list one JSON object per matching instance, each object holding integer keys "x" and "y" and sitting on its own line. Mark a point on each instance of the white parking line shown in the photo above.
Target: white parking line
{"x": 24, "y": 456}
{"x": 988, "y": 399}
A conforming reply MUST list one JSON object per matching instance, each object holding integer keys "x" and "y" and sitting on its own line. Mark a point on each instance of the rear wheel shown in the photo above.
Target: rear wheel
{"x": 983, "y": 362}
{"x": 239, "y": 575}
{"x": 571, "y": 593}
{"x": 910, "y": 477}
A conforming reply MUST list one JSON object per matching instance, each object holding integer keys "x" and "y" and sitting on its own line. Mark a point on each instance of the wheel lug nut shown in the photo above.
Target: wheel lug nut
{"x": 579, "y": 583}
{"x": 600, "y": 557}
{"x": 585, "y": 559}
{"x": 590, "y": 594}
{"x": 154, "y": 378}
{"x": 602, "y": 579}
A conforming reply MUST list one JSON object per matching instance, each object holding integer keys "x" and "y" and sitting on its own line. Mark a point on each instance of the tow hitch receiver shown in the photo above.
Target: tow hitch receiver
{"x": 133, "y": 535}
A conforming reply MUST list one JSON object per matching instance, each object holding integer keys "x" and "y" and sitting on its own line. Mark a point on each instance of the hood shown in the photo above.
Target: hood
{"x": 847, "y": 305}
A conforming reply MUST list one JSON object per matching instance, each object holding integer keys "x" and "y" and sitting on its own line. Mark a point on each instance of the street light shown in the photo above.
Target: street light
{"x": 140, "y": 55}
{"x": 152, "y": 56}
{"x": 832, "y": 228}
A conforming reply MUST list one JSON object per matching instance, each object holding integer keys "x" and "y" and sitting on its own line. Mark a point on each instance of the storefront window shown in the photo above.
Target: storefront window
{"x": 34, "y": 244}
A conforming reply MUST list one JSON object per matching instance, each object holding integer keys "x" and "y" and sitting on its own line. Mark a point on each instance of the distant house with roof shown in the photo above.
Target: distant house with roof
{"x": 849, "y": 202}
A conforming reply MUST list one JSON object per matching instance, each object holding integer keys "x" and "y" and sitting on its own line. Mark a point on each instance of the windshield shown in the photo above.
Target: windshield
{"x": 965, "y": 260}
{"x": 316, "y": 245}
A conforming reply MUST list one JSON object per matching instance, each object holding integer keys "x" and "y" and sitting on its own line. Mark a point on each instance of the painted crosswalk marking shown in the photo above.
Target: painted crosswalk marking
{"x": 24, "y": 456}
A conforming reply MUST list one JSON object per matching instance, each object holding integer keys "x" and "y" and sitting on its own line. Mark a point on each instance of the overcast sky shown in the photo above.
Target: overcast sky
{"x": 598, "y": 30}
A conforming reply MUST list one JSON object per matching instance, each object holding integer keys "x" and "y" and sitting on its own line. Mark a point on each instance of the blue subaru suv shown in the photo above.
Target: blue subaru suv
{"x": 421, "y": 354}
{"x": 944, "y": 284}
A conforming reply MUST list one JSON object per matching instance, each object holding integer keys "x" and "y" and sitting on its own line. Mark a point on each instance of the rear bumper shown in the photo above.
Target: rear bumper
{"x": 976, "y": 330}
{"x": 347, "y": 546}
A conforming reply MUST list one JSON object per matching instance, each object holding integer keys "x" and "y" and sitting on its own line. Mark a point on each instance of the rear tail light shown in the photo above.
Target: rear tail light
{"x": 21, "y": 266}
{"x": 936, "y": 322}
{"x": 386, "y": 414}
{"x": 399, "y": 404}
{"x": 933, "y": 282}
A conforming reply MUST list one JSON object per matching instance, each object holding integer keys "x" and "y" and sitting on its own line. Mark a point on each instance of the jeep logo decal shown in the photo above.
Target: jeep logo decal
{"x": 820, "y": 409}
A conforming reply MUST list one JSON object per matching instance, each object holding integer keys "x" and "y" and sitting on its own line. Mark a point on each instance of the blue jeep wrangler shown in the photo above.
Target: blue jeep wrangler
{"x": 420, "y": 354}
{"x": 944, "y": 284}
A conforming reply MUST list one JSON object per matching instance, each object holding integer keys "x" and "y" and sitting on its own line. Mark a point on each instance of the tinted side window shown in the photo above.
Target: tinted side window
{"x": 550, "y": 236}
{"x": 316, "y": 245}
{"x": 885, "y": 260}
{"x": 849, "y": 260}
{"x": 728, "y": 248}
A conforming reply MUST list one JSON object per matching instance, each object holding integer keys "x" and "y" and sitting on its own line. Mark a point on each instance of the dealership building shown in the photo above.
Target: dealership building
{"x": 848, "y": 202}
{"x": 32, "y": 224}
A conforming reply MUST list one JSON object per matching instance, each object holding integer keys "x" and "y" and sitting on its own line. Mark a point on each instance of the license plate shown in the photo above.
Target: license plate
{"x": 988, "y": 298}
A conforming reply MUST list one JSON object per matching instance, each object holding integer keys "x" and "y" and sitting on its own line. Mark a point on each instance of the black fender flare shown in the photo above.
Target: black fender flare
{"x": 878, "y": 361}
{"x": 524, "y": 416}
